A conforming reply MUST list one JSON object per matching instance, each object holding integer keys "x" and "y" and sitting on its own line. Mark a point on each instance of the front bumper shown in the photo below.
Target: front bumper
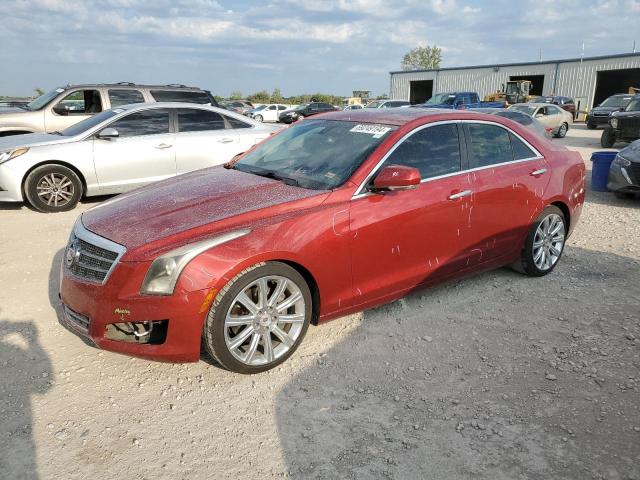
{"x": 10, "y": 184}
{"x": 622, "y": 179}
{"x": 119, "y": 300}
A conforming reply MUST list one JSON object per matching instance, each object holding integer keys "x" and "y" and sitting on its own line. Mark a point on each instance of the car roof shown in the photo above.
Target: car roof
{"x": 535, "y": 104}
{"x": 401, "y": 116}
{"x": 171, "y": 86}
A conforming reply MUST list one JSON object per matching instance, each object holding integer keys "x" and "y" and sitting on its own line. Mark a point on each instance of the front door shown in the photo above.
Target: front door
{"x": 402, "y": 239}
{"x": 508, "y": 179}
{"x": 143, "y": 152}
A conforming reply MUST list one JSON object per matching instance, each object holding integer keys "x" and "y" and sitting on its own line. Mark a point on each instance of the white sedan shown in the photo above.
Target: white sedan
{"x": 267, "y": 113}
{"x": 121, "y": 149}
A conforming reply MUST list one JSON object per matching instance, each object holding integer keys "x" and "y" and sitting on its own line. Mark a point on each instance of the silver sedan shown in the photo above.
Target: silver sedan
{"x": 121, "y": 149}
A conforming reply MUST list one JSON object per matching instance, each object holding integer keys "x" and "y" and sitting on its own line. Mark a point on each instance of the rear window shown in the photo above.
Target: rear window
{"x": 181, "y": 96}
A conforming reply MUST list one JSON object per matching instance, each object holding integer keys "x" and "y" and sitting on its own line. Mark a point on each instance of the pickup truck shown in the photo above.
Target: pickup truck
{"x": 459, "y": 101}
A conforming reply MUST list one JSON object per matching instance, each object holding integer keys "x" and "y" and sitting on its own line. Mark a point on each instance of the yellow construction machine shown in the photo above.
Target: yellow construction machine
{"x": 515, "y": 91}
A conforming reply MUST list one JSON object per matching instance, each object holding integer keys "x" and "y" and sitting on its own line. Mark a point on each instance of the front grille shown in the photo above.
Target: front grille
{"x": 76, "y": 319}
{"x": 629, "y": 127}
{"x": 603, "y": 114}
{"x": 89, "y": 256}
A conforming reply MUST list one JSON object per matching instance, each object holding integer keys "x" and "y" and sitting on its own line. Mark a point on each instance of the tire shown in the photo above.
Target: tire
{"x": 591, "y": 126}
{"x": 53, "y": 188}
{"x": 624, "y": 195}
{"x": 250, "y": 353}
{"x": 258, "y": 118}
{"x": 562, "y": 130}
{"x": 607, "y": 140}
{"x": 533, "y": 263}
{"x": 300, "y": 117}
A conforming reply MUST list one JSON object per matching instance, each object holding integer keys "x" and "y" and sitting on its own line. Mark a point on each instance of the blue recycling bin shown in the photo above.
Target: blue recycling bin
{"x": 600, "y": 171}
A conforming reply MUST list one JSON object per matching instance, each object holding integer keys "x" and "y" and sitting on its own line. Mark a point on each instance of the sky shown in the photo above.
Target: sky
{"x": 298, "y": 46}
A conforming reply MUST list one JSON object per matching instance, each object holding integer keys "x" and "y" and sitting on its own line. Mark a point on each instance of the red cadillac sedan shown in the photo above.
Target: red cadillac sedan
{"x": 337, "y": 214}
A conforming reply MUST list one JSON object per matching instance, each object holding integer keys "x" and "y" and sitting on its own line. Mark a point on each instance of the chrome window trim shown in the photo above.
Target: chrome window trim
{"x": 79, "y": 231}
{"x": 361, "y": 192}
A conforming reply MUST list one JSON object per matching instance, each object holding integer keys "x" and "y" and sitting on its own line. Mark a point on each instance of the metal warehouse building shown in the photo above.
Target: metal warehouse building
{"x": 588, "y": 80}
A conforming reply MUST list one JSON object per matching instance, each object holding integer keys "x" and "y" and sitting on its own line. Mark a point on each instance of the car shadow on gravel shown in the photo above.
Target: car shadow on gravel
{"x": 497, "y": 376}
{"x": 26, "y": 371}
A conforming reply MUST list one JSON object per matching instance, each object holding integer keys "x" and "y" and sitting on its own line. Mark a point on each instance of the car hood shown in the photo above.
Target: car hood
{"x": 5, "y": 110}
{"x": 626, "y": 114}
{"x": 30, "y": 140}
{"x": 191, "y": 207}
{"x": 605, "y": 109}
{"x": 631, "y": 152}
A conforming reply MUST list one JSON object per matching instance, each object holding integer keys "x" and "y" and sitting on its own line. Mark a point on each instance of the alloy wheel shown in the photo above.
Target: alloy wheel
{"x": 264, "y": 320}
{"x": 548, "y": 242}
{"x": 55, "y": 189}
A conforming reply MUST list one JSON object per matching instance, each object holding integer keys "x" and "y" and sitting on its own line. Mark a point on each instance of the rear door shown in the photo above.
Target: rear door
{"x": 204, "y": 138}
{"x": 406, "y": 238}
{"x": 142, "y": 153}
{"x": 508, "y": 177}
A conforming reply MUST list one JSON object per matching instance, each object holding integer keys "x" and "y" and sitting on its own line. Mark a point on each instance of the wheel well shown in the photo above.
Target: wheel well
{"x": 565, "y": 212}
{"x": 56, "y": 162}
{"x": 313, "y": 286}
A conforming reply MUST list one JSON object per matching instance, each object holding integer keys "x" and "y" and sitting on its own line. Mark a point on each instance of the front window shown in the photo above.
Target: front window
{"x": 89, "y": 123}
{"x": 79, "y": 102}
{"x": 441, "y": 99}
{"x": 634, "y": 106}
{"x": 315, "y": 154}
{"x": 43, "y": 100}
{"x": 616, "y": 102}
{"x": 512, "y": 88}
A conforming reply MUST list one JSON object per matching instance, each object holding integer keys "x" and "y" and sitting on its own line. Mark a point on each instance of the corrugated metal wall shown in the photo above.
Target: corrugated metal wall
{"x": 575, "y": 79}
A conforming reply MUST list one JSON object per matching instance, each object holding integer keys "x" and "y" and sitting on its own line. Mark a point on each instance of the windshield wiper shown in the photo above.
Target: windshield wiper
{"x": 276, "y": 176}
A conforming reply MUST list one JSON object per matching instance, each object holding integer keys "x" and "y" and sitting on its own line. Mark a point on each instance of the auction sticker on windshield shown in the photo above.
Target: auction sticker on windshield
{"x": 376, "y": 130}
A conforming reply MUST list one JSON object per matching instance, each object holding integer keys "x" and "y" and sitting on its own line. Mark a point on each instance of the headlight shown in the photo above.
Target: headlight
{"x": 614, "y": 122}
{"x": 162, "y": 276}
{"x": 11, "y": 154}
{"x": 623, "y": 162}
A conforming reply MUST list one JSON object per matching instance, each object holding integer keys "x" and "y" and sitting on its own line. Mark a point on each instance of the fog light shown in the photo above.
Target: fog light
{"x": 152, "y": 333}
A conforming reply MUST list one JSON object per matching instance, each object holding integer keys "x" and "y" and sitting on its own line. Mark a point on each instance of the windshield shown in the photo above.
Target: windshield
{"x": 376, "y": 104}
{"x": 634, "y": 106}
{"x": 529, "y": 110}
{"x": 42, "y": 100}
{"x": 261, "y": 107}
{"x": 302, "y": 106}
{"x": 441, "y": 98}
{"x": 616, "y": 102}
{"x": 90, "y": 122}
{"x": 512, "y": 88}
{"x": 315, "y": 154}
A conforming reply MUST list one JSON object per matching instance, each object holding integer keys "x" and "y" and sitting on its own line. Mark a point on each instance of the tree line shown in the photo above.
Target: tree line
{"x": 263, "y": 96}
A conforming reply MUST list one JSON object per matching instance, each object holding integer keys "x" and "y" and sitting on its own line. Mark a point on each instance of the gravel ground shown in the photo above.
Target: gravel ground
{"x": 493, "y": 377}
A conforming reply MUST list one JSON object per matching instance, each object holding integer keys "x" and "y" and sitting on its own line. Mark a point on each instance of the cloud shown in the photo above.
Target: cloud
{"x": 295, "y": 45}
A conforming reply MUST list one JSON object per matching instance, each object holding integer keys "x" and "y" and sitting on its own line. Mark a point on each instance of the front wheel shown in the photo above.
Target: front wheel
{"x": 258, "y": 118}
{"x": 258, "y": 319}
{"x": 608, "y": 139}
{"x": 53, "y": 188}
{"x": 562, "y": 131}
{"x": 544, "y": 244}
{"x": 591, "y": 126}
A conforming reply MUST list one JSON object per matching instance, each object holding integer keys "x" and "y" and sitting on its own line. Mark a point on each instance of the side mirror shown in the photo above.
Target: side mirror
{"x": 108, "y": 133}
{"x": 61, "y": 109}
{"x": 539, "y": 115}
{"x": 396, "y": 177}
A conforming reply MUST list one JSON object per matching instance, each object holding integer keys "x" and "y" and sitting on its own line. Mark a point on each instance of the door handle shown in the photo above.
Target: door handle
{"x": 541, "y": 171}
{"x": 163, "y": 145}
{"x": 464, "y": 193}
{"x": 225, "y": 140}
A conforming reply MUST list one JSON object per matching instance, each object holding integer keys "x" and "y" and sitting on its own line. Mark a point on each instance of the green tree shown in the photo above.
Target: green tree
{"x": 426, "y": 58}
{"x": 259, "y": 97}
{"x": 384, "y": 96}
{"x": 276, "y": 96}
{"x": 38, "y": 91}
{"x": 237, "y": 95}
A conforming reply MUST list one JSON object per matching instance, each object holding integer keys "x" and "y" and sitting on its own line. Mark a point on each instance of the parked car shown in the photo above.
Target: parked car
{"x": 624, "y": 174}
{"x": 120, "y": 149}
{"x": 238, "y": 106}
{"x": 623, "y": 126}
{"x": 458, "y": 100}
{"x": 12, "y": 103}
{"x": 551, "y": 116}
{"x": 65, "y": 106}
{"x": 387, "y": 104}
{"x": 600, "y": 115}
{"x": 356, "y": 106}
{"x": 520, "y": 117}
{"x": 339, "y": 213}
{"x": 266, "y": 113}
{"x": 304, "y": 110}
{"x": 565, "y": 103}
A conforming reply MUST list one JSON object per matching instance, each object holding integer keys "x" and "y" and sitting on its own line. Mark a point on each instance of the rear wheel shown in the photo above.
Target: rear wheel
{"x": 544, "y": 244}
{"x": 53, "y": 188}
{"x": 562, "y": 131}
{"x": 258, "y": 319}
{"x": 608, "y": 139}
